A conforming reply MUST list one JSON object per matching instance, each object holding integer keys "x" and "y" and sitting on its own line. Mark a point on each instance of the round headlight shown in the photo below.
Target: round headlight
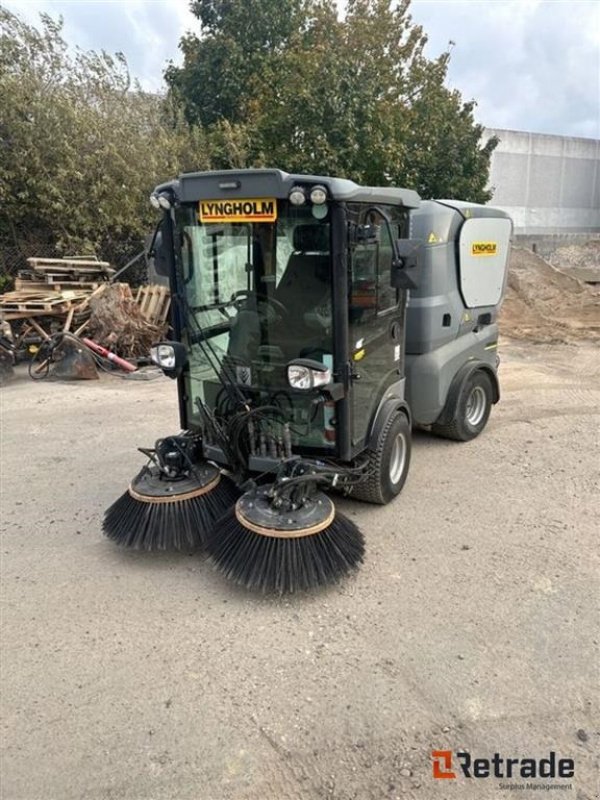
{"x": 164, "y": 201}
{"x": 154, "y": 201}
{"x": 299, "y": 377}
{"x": 297, "y": 196}
{"x": 163, "y": 355}
{"x": 318, "y": 195}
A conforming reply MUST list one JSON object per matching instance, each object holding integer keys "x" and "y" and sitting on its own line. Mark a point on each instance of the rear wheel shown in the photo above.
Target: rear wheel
{"x": 471, "y": 409}
{"x": 389, "y": 462}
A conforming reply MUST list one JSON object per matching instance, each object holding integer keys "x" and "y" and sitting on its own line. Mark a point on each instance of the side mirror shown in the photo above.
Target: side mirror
{"x": 408, "y": 257}
{"x": 160, "y": 254}
{"x": 171, "y": 357}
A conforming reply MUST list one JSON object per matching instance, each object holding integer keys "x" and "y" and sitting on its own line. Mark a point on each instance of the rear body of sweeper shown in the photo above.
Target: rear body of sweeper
{"x": 452, "y": 332}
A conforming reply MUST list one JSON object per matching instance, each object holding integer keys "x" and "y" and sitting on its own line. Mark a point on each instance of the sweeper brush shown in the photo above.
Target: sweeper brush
{"x": 172, "y": 504}
{"x": 263, "y": 543}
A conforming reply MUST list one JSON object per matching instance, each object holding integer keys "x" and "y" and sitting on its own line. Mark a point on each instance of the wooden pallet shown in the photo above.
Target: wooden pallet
{"x": 41, "y": 300}
{"x": 54, "y": 278}
{"x": 27, "y": 285}
{"x": 70, "y": 265}
{"x": 154, "y": 302}
{"x": 33, "y": 301}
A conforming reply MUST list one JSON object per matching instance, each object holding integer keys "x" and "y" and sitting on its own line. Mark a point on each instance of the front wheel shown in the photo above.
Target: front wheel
{"x": 471, "y": 410}
{"x": 389, "y": 462}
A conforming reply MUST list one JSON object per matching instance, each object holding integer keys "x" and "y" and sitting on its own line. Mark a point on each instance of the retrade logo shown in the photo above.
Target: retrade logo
{"x": 442, "y": 764}
{"x": 500, "y": 767}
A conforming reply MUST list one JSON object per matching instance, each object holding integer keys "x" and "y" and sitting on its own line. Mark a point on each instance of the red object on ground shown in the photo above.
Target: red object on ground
{"x": 121, "y": 362}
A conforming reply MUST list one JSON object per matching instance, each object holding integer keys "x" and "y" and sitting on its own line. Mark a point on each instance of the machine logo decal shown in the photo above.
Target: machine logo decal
{"x": 261, "y": 209}
{"x": 244, "y": 375}
{"x": 484, "y": 248}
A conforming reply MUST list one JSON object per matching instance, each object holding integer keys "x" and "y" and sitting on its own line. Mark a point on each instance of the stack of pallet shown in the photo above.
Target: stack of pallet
{"x": 63, "y": 274}
{"x": 54, "y": 294}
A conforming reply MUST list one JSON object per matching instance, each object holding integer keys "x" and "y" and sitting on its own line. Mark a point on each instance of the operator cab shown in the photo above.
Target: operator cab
{"x": 279, "y": 272}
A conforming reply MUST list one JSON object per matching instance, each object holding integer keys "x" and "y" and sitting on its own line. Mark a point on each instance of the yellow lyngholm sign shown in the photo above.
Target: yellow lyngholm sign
{"x": 262, "y": 209}
{"x": 484, "y": 248}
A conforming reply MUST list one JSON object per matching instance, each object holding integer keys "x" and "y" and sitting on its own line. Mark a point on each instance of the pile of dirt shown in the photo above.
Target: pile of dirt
{"x": 545, "y": 304}
{"x": 577, "y": 255}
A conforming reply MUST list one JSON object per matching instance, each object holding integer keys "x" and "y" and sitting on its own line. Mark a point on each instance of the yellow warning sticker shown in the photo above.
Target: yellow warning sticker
{"x": 433, "y": 239}
{"x": 252, "y": 209}
{"x": 484, "y": 248}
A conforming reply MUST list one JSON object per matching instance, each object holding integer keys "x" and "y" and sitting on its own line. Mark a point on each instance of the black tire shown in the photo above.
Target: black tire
{"x": 471, "y": 410}
{"x": 388, "y": 467}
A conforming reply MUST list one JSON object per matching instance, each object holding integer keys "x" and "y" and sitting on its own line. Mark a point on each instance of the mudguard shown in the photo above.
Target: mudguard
{"x": 386, "y": 407}
{"x": 458, "y": 382}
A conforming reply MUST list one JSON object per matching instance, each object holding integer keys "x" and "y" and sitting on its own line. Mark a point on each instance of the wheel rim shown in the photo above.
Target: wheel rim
{"x": 398, "y": 459}
{"x": 476, "y": 405}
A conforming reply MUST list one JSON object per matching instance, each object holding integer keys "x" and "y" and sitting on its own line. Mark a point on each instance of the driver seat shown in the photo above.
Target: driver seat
{"x": 305, "y": 284}
{"x": 305, "y": 291}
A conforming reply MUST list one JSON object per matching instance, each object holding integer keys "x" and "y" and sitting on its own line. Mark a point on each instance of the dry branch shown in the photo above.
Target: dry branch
{"x": 117, "y": 322}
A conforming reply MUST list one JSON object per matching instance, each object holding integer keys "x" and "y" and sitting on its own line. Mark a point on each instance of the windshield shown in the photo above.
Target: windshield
{"x": 257, "y": 295}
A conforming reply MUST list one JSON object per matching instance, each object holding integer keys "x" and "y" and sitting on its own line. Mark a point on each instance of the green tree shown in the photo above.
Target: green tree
{"x": 222, "y": 65}
{"x": 80, "y": 146}
{"x": 352, "y": 96}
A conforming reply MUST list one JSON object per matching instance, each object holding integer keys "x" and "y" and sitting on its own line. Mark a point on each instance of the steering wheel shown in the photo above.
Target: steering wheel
{"x": 238, "y": 299}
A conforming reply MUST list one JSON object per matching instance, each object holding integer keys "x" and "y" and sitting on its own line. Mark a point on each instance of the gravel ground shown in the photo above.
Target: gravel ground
{"x": 472, "y": 624}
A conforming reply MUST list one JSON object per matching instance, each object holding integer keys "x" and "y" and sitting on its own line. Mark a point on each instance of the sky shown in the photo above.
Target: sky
{"x": 531, "y": 65}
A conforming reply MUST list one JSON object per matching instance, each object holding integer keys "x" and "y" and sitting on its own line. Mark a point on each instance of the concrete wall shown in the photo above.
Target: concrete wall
{"x": 550, "y": 185}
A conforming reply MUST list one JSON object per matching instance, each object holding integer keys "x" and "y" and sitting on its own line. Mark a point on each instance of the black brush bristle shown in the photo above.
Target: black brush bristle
{"x": 284, "y": 565}
{"x": 178, "y": 525}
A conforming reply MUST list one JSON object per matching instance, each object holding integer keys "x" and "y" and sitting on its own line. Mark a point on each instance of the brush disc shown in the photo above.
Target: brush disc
{"x": 263, "y": 548}
{"x": 158, "y": 514}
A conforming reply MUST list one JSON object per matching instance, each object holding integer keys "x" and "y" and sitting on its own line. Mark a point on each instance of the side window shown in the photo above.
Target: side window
{"x": 387, "y": 296}
{"x": 363, "y": 289}
{"x": 371, "y": 271}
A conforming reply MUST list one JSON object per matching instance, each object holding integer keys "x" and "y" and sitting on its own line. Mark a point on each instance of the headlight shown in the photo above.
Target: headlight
{"x": 164, "y": 201}
{"x": 297, "y": 196}
{"x": 163, "y": 355}
{"x": 318, "y": 195}
{"x": 304, "y": 377}
{"x": 154, "y": 201}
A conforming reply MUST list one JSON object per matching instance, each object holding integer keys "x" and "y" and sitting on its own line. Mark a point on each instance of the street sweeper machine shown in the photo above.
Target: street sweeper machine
{"x": 314, "y": 323}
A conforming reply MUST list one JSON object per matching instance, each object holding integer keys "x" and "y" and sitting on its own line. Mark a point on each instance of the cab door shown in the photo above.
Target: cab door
{"x": 376, "y": 323}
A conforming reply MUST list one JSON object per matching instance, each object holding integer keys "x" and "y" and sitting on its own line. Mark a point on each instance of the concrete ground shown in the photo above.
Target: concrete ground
{"x": 472, "y": 625}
